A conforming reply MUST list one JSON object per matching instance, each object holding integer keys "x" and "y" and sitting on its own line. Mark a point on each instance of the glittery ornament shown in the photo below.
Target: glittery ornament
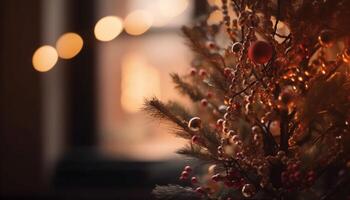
{"x": 260, "y": 52}
{"x": 195, "y": 123}
{"x": 236, "y": 47}
{"x": 248, "y": 190}
{"x": 194, "y": 180}
{"x": 326, "y": 38}
{"x": 204, "y": 102}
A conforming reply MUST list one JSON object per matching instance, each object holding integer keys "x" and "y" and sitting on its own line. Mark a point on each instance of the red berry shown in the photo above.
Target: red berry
{"x": 204, "y": 102}
{"x": 193, "y": 71}
{"x": 210, "y": 44}
{"x": 195, "y": 139}
{"x": 185, "y": 174}
{"x": 200, "y": 190}
{"x": 188, "y": 169}
{"x": 216, "y": 177}
{"x": 202, "y": 73}
{"x": 228, "y": 72}
{"x": 260, "y": 52}
{"x": 209, "y": 95}
{"x": 194, "y": 180}
{"x": 311, "y": 173}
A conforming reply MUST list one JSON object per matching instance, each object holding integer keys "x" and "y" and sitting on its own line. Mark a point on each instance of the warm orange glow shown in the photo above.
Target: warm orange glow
{"x": 138, "y": 22}
{"x": 160, "y": 21}
{"x": 215, "y": 17}
{"x": 44, "y": 58}
{"x": 108, "y": 28}
{"x": 139, "y": 81}
{"x": 282, "y": 29}
{"x": 69, "y": 45}
{"x": 217, "y": 3}
{"x": 172, "y": 8}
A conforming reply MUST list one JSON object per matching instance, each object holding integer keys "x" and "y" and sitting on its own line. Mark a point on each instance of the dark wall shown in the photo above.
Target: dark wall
{"x": 81, "y": 77}
{"x": 20, "y": 99}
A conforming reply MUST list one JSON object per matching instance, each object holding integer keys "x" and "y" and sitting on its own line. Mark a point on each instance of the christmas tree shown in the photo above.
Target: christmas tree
{"x": 270, "y": 86}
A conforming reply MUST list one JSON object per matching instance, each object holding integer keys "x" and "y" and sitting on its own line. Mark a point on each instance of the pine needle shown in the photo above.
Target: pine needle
{"x": 159, "y": 110}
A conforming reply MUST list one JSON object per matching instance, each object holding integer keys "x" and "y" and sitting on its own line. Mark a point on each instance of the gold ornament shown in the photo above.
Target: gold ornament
{"x": 326, "y": 38}
{"x": 195, "y": 123}
{"x": 248, "y": 190}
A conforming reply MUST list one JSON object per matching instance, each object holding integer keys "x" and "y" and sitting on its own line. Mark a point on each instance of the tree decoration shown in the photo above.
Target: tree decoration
{"x": 326, "y": 38}
{"x": 276, "y": 124}
{"x": 260, "y": 52}
{"x": 195, "y": 123}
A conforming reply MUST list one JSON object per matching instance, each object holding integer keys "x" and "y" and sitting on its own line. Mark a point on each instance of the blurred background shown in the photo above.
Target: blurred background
{"x": 74, "y": 74}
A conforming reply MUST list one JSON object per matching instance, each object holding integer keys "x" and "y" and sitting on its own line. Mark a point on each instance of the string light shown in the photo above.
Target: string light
{"x": 108, "y": 28}
{"x": 69, "y": 45}
{"x": 44, "y": 58}
{"x": 138, "y": 22}
{"x": 172, "y": 8}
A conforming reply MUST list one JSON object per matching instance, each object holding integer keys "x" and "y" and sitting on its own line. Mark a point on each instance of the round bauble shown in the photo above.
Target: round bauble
{"x": 326, "y": 38}
{"x": 195, "y": 123}
{"x": 260, "y": 52}
{"x": 248, "y": 190}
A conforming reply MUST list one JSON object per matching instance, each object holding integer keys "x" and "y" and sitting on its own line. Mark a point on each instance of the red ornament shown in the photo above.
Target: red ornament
{"x": 194, "y": 180}
{"x": 188, "y": 169}
{"x": 216, "y": 177}
{"x": 193, "y": 71}
{"x": 202, "y": 73}
{"x": 260, "y": 52}
{"x": 209, "y": 95}
{"x": 204, "y": 102}
{"x": 200, "y": 190}
{"x": 195, "y": 139}
{"x": 184, "y": 174}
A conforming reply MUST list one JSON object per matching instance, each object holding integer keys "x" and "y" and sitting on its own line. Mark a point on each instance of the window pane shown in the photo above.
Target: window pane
{"x": 132, "y": 68}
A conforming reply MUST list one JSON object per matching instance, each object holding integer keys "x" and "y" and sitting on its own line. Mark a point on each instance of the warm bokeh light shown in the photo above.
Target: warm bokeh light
{"x": 44, "y": 58}
{"x": 215, "y": 17}
{"x": 217, "y": 3}
{"x": 282, "y": 29}
{"x": 160, "y": 21}
{"x": 69, "y": 45}
{"x": 139, "y": 81}
{"x": 138, "y": 22}
{"x": 108, "y": 28}
{"x": 172, "y": 8}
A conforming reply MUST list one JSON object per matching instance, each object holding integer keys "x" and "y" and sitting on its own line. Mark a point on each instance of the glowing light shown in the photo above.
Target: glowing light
{"x": 139, "y": 81}
{"x": 172, "y": 8}
{"x": 138, "y": 22}
{"x": 69, "y": 45}
{"x": 44, "y": 58}
{"x": 215, "y": 17}
{"x": 217, "y": 3}
{"x": 108, "y": 28}
{"x": 160, "y": 21}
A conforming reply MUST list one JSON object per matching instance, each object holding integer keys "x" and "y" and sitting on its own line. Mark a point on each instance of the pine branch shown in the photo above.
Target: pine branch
{"x": 158, "y": 110}
{"x": 186, "y": 88}
{"x": 175, "y": 192}
{"x": 195, "y": 151}
{"x": 178, "y": 110}
{"x": 194, "y": 36}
